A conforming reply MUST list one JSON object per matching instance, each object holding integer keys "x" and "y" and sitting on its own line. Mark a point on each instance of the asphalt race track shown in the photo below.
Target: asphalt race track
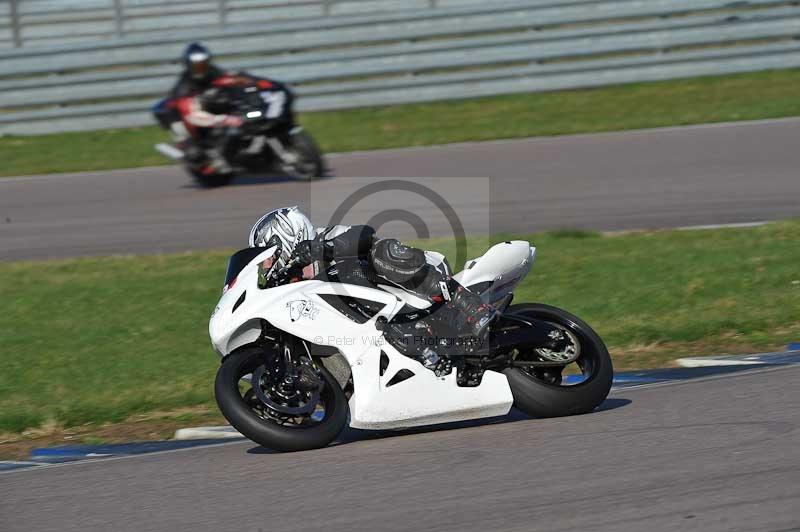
{"x": 710, "y": 174}
{"x": 717, "y": 454}
{"x": 713, "y": 455}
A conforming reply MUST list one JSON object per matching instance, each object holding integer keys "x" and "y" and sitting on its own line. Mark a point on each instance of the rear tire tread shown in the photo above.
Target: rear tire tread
{"x": 539, "y": 399}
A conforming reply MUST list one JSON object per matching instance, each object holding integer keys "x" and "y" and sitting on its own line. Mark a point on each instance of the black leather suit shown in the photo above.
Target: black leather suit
{"x": 389, "y": 259}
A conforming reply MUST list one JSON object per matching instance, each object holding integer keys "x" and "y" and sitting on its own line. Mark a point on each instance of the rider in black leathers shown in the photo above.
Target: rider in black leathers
{"x": 197, "y": 77}
{"x": 392, "y": 261}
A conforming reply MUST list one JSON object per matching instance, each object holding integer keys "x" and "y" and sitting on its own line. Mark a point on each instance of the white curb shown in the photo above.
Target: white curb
{"x": 207, "y": 433}
{"x": 706, "y": 362}
{"x": 782, "y": 357}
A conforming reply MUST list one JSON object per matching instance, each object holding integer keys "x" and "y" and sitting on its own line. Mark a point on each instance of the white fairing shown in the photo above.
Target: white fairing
{"x": 504, "y": 266}
{"x": 301, "y": 310}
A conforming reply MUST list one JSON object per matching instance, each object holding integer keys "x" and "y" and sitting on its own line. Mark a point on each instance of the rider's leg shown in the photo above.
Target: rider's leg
{"x": 407, "y": 267}
{"x": 398, "y": 263}
{"x": 205, "y": 150}
{"x": 170, "y": 119}
{"x": 180, "y": 135}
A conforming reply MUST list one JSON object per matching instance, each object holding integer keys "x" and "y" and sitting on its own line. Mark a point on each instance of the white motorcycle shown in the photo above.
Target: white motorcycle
{"x": 304, "y": 358}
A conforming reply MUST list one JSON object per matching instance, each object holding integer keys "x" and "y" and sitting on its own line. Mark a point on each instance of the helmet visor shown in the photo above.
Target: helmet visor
{"x": 199, "y": 65}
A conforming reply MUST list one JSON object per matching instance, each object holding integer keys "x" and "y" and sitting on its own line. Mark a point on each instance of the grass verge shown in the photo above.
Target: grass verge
{"x": 104, "y": 340}
{"x": 771, "y": 94}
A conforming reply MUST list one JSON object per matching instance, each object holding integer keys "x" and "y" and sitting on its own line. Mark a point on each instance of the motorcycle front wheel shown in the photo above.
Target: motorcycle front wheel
{"x": 244, "y": 410}
{"x": 561, "y": 390}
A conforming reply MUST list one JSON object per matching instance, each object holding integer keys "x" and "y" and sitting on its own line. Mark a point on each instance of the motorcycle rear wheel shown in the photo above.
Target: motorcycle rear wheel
{"x": 542, "y": 392}
{"x": 238, "y": 408}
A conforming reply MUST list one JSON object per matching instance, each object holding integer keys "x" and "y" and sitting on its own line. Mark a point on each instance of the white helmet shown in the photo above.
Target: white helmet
{"x": 289, "y": 225}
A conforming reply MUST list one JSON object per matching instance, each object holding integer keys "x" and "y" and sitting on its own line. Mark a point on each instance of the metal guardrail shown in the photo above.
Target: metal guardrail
{"x": 37, "y": 22}
{"x": 460, "y": 51}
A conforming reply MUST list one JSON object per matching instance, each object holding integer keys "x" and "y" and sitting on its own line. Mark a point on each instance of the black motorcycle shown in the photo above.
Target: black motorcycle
{"x": 268, "y": 138}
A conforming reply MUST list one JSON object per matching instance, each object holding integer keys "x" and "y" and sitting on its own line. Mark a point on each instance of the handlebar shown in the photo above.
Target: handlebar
{"x": 293, "y": 261}
{"x": 281, "y": 274}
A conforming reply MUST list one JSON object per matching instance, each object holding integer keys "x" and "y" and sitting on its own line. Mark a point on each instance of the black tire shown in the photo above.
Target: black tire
{"x": 541, "y": 399}
{"x": 304, "y": 145}
{"x": 212, "y": 180}
{"x": 266, "y": 432}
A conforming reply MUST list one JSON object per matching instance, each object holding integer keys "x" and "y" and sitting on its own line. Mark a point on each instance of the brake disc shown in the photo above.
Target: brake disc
{"x": 569, "y": 354}
{"x": 307, "y": 407}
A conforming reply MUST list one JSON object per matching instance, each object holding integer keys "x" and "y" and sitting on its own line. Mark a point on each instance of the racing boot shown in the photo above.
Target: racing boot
{"x": 217, "y": 162}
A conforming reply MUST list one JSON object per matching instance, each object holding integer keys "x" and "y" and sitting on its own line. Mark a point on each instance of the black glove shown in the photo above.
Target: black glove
{"x": 309, "y": 251}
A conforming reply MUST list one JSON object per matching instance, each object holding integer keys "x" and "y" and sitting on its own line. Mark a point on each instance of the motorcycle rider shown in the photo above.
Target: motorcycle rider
{"x": 189, "y": 92}
{"x": 404, "y": 266}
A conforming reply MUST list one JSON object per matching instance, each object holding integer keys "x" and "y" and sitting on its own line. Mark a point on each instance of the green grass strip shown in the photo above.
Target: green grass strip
{"x": 100, "y": 339}
{"x": 761, "y": 95}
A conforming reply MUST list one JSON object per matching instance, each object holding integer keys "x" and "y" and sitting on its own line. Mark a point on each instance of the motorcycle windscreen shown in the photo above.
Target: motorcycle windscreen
{"x": 238, "y": 261}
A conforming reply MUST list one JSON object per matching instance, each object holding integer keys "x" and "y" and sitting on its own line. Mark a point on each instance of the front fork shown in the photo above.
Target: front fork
{"x": 295, "y": 373}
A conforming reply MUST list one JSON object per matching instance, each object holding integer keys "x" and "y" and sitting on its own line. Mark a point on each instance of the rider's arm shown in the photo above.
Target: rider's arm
{"x": 354, "y": 242}
{"x": 336, "y": 243}
{"x": 195, "y": 115}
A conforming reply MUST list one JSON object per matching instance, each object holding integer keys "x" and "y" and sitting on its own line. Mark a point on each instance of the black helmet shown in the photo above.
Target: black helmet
{"x": 197, "y": 61}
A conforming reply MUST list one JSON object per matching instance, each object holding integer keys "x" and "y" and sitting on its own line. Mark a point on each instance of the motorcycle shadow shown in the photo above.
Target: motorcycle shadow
{"x": 351, "y": 435}
{"x": 256, "y": 178}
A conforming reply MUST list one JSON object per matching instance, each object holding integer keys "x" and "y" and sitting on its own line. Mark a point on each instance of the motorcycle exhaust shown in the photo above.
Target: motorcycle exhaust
{"x": 169, "y": 151}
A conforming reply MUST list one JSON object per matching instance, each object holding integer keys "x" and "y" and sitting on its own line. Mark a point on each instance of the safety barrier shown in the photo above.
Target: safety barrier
{"x": 36, "y": 22}
{"x": 451, "y": 50}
